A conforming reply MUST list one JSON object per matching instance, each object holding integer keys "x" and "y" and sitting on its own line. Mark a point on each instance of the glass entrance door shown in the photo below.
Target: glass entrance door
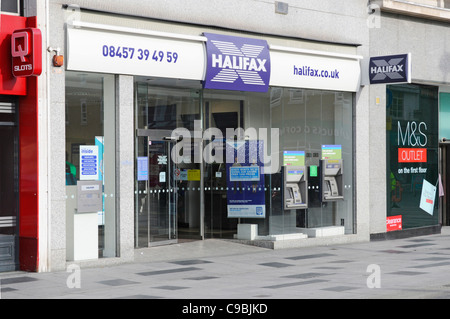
{"x": 157, "y": 193}
{"x": 163, "y": 194}
{"x": 169, "y": 197}
{"x": 8, "y": 187}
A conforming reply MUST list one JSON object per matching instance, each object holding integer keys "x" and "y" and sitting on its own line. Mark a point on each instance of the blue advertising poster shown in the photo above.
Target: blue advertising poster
{"x": 245, "y": 183}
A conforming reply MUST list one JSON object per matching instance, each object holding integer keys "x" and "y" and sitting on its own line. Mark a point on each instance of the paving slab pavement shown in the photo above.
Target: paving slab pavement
{"x": 410, "y": 268}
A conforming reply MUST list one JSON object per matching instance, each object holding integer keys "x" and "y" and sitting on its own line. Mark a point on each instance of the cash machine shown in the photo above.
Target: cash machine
{"x": 332, "y": 180}
{"x": 295, "y": 186}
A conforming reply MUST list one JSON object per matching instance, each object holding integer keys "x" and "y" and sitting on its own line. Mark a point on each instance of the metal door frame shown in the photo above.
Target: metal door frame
{"x": 444, "y": 214}
{"x": 166, "y": 136}
{"x": 160, "y": 135}
{"x": 11, "y": 242}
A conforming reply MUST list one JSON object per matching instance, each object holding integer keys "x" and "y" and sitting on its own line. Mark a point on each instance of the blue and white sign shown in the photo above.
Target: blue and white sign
{"x": 245, "y": 183}
{"x": 236, "y": 63}
{"x": 142, "y": 168}
{"x": 244, "y": 173}
{"x": 390, "y": 69}
{"x": 89, "y": 168}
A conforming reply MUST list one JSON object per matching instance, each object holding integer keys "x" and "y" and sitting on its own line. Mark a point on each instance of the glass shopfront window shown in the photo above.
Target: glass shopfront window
{"x": 412, "y": 156}
{"x": 90, "y": 165}
{"x": 318, "y": 122}
{"x": 305, "y": 121}
{"x": 11, "y": 7}
{"x": 196, "y": 195}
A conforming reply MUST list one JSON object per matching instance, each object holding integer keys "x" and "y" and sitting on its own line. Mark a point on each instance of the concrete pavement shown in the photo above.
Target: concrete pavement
{"x": 416, "y": 267}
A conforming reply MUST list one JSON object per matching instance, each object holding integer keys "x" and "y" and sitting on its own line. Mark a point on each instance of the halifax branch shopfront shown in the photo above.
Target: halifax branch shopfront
{"x": 234, "y": 136}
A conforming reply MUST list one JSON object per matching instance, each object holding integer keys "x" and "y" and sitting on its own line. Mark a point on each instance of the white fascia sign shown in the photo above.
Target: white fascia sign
{"x": 120, "y": 50}
{"x": 93, "y": 49}
{"x": 299, "y": 68}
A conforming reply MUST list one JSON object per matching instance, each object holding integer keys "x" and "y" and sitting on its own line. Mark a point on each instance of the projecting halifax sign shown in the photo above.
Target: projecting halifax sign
{"x": 390, "y": 69}
{"x": 236, "y": 63}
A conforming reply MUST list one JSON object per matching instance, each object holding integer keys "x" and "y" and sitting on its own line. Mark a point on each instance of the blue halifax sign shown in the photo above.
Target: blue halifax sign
{"x": 236, "y": 63}
{"x": 390, "y": 69}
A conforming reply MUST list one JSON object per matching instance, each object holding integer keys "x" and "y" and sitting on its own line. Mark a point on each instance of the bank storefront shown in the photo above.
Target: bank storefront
{"x": 232, "y": 135}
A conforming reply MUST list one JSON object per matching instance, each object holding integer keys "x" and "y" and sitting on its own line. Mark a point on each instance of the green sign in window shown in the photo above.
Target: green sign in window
{"x": 331, "y": 152}
{"x": 296, "y": 158}
{"x": 313, "y": 171}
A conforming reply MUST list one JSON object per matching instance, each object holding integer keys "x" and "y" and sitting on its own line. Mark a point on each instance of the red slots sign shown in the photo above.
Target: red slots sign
{"x": 26, "y": 52}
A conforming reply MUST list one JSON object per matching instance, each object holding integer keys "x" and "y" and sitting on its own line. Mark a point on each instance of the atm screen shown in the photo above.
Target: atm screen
{"x": 289, "y": 193}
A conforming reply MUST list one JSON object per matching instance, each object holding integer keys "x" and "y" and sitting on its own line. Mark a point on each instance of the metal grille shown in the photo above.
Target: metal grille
{"x": 7, "y": 221}
{"x": 6, "y": 107}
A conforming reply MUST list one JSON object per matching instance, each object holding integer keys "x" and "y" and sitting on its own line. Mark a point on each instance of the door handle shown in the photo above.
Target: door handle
{"x": 172, "y": 138}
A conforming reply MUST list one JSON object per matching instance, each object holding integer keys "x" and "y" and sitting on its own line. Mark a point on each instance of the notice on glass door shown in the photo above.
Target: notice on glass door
{"x": 142, "y": 168}
{"x": 89, "y": 168}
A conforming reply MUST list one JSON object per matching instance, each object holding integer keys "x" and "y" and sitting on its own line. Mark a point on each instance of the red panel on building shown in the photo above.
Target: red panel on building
{"x": 26, "y": 88}
{"x": 29, "y": 195}
{"x": 9, "y": 84}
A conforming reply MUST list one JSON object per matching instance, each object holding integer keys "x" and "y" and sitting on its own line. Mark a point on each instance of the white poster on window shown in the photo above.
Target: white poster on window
{"x": 428, "y": 197}
{"x": 89, "y": 163}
